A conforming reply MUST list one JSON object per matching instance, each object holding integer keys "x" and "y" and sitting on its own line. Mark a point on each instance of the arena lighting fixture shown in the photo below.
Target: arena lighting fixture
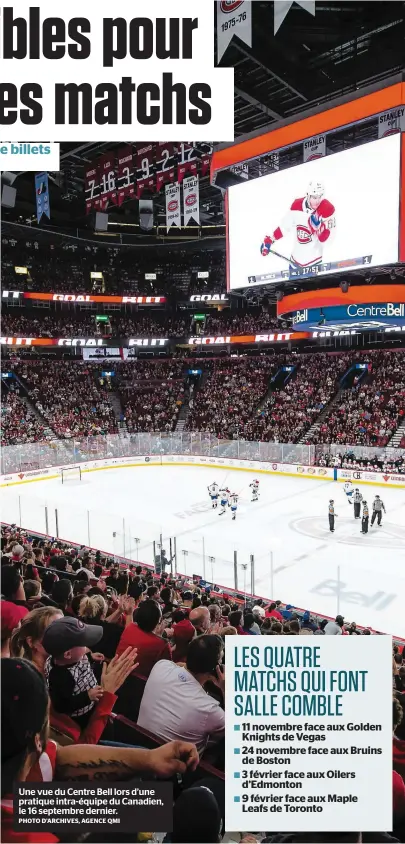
{"x": 344, "y": 286}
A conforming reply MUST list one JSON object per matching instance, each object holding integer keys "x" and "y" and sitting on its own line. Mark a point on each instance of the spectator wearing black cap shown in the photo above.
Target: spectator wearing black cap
{"x": 174, "y": 702}
{"x": 27, "y": 754}
{"x": 73, "y": 687}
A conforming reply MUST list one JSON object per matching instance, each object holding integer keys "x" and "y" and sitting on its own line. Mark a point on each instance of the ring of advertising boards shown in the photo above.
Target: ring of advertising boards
{"x": 329, "y": 215}
{"x": 362, "y": 308}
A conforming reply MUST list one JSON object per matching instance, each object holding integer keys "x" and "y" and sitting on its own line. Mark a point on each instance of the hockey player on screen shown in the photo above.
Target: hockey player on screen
{"x": 311, "y": 218}
{"x": 233, "y": 503}
{"x": 224, "y": 500}
{"x": 213, "y": 491}
{"x": 255, "y": 490}
{"x": 378, "y": 507}
{"x": 349, "y": 490}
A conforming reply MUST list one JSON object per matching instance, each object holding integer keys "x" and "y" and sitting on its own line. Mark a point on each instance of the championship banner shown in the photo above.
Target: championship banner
{"x": 234, "y": 17}
{"x": 92, "y": 187}
{"x": 187, "y": 162}
{"x": 173, "y": 212}
{"x": 165, "y": 163}
{"x": 126, "y": 176}
{"x": 145, "y": 170}
{"x": 391, "y": 122}
{"x": 315, "y": 148}
{"x": 108, "y": 188}
{"x": 191, "y": 200}
{"x": 42, "y": 196}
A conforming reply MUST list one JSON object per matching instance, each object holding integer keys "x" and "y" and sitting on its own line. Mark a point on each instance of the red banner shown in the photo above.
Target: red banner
{"x": 126, "y": 176}
{"x": 186, "y": 161}
{"x": 165, "y": 162}
{"x": 145, "y": 169}
{"x": 108, "y": 188}
{"x": 206, "y": 159}
{"x": 92, "y": 187}
{"x": 82, "y": 297}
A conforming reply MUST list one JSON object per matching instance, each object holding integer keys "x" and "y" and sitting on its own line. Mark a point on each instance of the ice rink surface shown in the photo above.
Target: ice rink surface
{"x": 296, "y": 558}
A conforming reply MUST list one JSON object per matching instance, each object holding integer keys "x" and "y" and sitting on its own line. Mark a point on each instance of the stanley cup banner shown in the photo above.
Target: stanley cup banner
{"x": 42, "y": 195}
{"x": 234, "y": 17}
{"x": 173, "y": 210}
{"x": 191, "y": 200}
{"x": 391, "y": 122}
{"x": 315, "y": 148}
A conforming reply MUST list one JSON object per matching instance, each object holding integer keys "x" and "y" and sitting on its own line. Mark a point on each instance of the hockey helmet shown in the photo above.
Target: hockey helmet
{"x": 377, "y": 496}
{"x": 315, "y": 189}
{"x": 331, "y": 501}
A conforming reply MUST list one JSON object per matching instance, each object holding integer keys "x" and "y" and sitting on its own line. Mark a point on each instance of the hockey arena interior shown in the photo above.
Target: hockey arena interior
{"x": 203, "y": 388}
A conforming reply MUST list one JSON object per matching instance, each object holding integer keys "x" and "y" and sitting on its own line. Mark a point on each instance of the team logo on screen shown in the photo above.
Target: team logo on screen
{"x": 304, "y": 235}
{"x": 230, "y": 5}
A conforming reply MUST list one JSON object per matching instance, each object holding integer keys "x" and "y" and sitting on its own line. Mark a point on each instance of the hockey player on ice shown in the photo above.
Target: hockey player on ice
{"x": 349, "y": 490}
{"x": 255, "y": 490}
{"x": 233, "y": 503}
{"x": 213, "y": 490}
{"x": 224, "y": 500}
{"x": 311, "y": 219}
{"x": 378, "y": 507}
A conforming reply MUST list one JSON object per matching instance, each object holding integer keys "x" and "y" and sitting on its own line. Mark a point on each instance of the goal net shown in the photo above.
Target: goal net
{"x": 71, "y": 473}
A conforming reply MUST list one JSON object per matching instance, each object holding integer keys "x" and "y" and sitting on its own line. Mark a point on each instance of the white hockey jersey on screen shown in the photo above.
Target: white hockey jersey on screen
{"x": 311, "y": 230}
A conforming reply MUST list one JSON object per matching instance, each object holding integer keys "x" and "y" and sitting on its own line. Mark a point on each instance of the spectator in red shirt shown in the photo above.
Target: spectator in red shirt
{"x": 272, "y": 612}
{"x": 142, "y": 634}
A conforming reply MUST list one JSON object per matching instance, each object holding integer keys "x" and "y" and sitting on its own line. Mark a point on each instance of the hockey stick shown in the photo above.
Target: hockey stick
{"x": 289, "y": 260}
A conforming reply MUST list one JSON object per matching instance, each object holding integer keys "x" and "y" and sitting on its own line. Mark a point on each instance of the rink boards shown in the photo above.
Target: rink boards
{"x": 288, "y": 469}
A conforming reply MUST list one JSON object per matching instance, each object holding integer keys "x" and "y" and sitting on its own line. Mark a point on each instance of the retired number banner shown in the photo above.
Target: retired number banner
{"x": 187, "y": 161}
{"x": 126, "y": 176}
{"x": 92, "y": 187}
{"x": 145, "y": 170}
{"x": 165, "y": 163}
{"x": 108, "y": 187}
{"x": 173, "y": 211}
{"x": 191, "y": 200}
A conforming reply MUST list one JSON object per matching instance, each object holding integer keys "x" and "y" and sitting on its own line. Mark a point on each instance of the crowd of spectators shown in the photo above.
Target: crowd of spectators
{"x": 65, "y": 267}
{"x": 353, "y": 461}
{"x": 70, "y": 613}
{"x": 234, "y": 399}
{"x": 370, "y": 412}
{"x": 292, "y": 410}
{"x": 229, "y": 396}
{"x": 68, "y": 396}
{"x": 18, "y": 422}
{"x": 74, "y": 323}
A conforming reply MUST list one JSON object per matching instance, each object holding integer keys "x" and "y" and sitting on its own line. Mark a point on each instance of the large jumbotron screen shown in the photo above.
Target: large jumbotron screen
{"x": 333, "y": 214}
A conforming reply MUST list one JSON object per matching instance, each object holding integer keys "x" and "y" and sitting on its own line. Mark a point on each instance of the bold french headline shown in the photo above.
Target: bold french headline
{"x": 153, "y": 71}
{"x": 290, "y": 681}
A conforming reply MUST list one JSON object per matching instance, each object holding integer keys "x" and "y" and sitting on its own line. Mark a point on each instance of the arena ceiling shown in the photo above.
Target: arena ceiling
{"x": 311, "y": 61}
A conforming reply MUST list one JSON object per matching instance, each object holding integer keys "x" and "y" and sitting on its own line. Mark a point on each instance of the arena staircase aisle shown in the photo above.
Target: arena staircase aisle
{"x": 276, "y": 382}
{"x": 24, "y": 397}
{"x": 118, "y": 410}
{"x": 396, "y": 438}
{"x": 308, "y": 436}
